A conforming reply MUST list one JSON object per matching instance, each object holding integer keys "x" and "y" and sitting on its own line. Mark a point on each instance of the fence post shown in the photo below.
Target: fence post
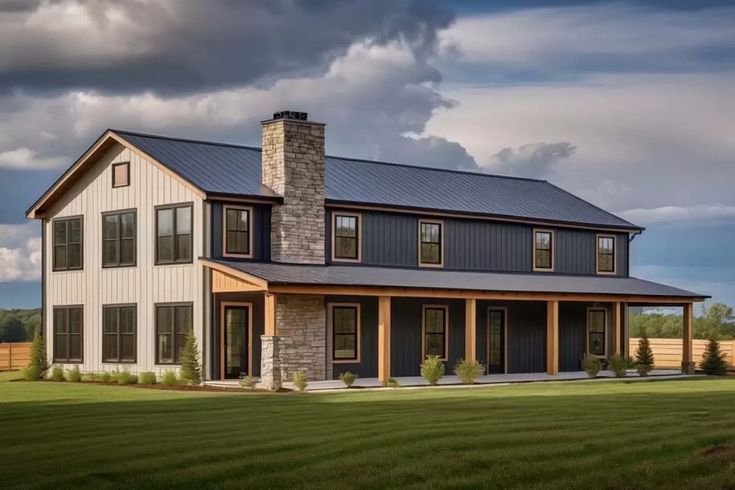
{"x": 10, "y": 356}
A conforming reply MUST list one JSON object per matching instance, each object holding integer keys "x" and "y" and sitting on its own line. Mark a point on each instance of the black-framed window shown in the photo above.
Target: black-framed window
{"x": 121, "y": 174}
{"x": 118, "y": 239}
{"x": 597, "y": 332}
{"x": 237, "y": 231}
{"x": 430, "y": 242}
{"x": 119, "y": 332}
{"x": 68, "y": 334}
{"x": 346, "y": 236}
{"x": 606, "y": 254}
{"x": 543, "y": 250}
{"x": 435, "y": 331}
{"x": 345, "y": 332}
{"x": 67, "y": 243}
{"x": 173, "y": 323}
{"x": 174, "y": 234}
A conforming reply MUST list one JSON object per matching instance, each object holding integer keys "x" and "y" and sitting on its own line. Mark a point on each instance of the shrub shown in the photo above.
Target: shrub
{"x": 432, "y": 369}
{"x": 592, "y": 365}
{"x": 468, "y": 371}
{"x": 348, "y": 378}
{"x": 248, "y": 382}
{"x": 91, "y": 376}
{"x": 392, "y": 383}
{"x": 74, "y": 375}
{"x": 619, "y": 366}
{"x": 191, "y": 368}
{"x": 644, "y": 360}
{"x": 169, "y": 378}
{"x": 106, "y": 377}
{"x": 125, "y": 378}
{"x": 148, "y": 378}
{"x": 38, "y": 365}
{"x": 57, "y": 373}
{"x": 713, "y": 359}
{"x": 299, "y": 381}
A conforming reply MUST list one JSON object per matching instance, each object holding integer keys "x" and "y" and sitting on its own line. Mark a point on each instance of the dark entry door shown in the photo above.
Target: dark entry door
{"x": 236, "y": 341}
{"x": 496, "y": 342}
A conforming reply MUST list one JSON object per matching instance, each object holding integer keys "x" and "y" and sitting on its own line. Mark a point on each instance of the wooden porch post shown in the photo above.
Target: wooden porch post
{"x": 687, "y": 363}
{"x": 470, "y": 329}
{"x": 552, "y": 337}
{"x": 616, "y": 324}
{"x": 269, "y": 311}
{"x": 384, "y": 339}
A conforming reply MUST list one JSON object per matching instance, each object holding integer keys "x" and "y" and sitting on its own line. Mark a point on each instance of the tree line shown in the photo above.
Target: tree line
{"x": 716, "y": 322}
{"x": 19, "y": 325}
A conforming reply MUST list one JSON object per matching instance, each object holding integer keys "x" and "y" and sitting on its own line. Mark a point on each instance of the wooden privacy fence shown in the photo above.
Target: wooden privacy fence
{"x": 667, "y": 352}
{"x": 14, "y": 356}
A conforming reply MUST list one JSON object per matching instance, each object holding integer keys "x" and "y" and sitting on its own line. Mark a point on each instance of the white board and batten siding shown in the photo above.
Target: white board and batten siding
{"x": 145, "y": 284}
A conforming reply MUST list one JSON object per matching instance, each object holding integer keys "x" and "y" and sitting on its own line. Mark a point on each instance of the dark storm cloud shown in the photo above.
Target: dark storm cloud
{"x": 169, "y": 46}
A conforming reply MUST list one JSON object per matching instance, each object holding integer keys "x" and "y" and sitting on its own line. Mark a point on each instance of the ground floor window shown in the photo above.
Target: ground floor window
{"x": 119, "y": 333}
{"x": 68, "y": 334}
{"x": 345, "y": 332}
{"x": 435, "y": 331}
{"x": 597, "y": 331}
{"x": 173, "y": 323}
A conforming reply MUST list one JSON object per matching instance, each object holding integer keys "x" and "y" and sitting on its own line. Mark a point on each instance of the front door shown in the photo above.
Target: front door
{"x": 235, "y": 348}
{"x": 496, "y": 342}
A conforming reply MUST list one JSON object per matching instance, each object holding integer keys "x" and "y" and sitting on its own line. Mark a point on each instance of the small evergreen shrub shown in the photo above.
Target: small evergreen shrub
{"x": 148, "y": 378}
{"x": 74, "y": 375}
{"x": 125, "y": 378}
{"x": 713, "y": 359}
{"x": 191, "y": 367}
{"x": 432, "y": 369}
{"x": 169, "y": 378}
{"x": 347, "y": 378}
{"x": 468, "y": 371}
{"x": 38, "y": 365}
{"x": 592, "y": 365}
{"x": 392, "y": 383}
{"x": 644, "y": 361}
{"x": 619, "y": 366}
{"x": 106, "y": 377}
{"x": 299, "y": 381}
{"x": 248, "y": 382}
{"x": 57, "y": 374}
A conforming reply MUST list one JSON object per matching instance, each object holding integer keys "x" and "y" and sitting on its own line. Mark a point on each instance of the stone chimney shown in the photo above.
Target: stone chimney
{"x": 293, "y": 167}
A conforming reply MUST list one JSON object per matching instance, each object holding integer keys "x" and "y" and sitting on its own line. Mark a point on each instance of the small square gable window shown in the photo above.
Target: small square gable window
{"x": 121, "y": 174}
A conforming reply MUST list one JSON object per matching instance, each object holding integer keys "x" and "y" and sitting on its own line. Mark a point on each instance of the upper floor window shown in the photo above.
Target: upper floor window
{"x": 121, "y": 174}
{"x": 173, "y": 324}
{"x": 237, "y": 235}
{"x": 346, "y": 240}
{"x": 118, "y": 239}
{"x": 68, "y": 334}
{"x": 118, "y": 333}
{"x": 345, "y": 332}
{"x": 543, "y": 250}
{"x": 605, "y": 254}
{"x": 67, "y": 243}
{"x": 435, "y": 331}
{"x": 430, "y": 243}
{"x": 596, "y": 331}
{"x": 173, "y": 234}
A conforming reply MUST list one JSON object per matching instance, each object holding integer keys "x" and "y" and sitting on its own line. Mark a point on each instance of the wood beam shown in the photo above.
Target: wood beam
{"x": 687, "y": 362}
{"x": 269, "y": 313}
{"x": 470, "y": 329}
{"x": 384, "y": 333}
{"x": 616, "y": 327}
{"x": 552, "y": 337}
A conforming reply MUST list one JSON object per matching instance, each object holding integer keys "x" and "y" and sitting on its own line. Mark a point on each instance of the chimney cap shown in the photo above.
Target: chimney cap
{"x": 295, "y": 115}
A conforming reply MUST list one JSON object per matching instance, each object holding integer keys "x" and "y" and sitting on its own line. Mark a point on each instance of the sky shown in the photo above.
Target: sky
{"x": 630, "y": 105}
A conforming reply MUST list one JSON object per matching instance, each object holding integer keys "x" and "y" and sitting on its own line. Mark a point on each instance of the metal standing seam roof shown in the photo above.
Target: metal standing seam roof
{"x": 297, "y": 274}
{"x": 218, "y": 168}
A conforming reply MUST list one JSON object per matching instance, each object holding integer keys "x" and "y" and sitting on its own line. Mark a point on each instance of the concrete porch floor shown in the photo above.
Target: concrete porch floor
{"x": 452, "y": 381}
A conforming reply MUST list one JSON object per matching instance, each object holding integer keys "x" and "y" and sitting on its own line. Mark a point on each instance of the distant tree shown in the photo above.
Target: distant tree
{"x": 713, "y": 359}
{"x": 717, "y": 320}
{"x": 12, "y": 330}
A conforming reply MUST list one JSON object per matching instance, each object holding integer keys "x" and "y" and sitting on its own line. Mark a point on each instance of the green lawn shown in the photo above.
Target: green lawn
{"x": 559, "y": 435}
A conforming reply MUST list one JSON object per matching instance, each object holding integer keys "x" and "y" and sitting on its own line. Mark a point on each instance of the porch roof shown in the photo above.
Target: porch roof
{"x": 276, "y": 274}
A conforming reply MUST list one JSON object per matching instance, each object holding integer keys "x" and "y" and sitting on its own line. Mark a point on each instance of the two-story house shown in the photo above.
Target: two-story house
{"x": 281, "y": 259}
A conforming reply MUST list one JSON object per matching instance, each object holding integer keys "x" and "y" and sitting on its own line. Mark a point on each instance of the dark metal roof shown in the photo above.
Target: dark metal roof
{"x": 296, "y": 274}
{"x": 218, "y": 168}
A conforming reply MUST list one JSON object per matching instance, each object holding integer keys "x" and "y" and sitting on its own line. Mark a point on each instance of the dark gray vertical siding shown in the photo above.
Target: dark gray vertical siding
{"x": 574, "y": 251}
{"x": 257, "y": 314}
{"x": 368, "y": 365}
{"x": 261, "y": 230}
{"x": 572, "y": 331}
{"x": 623, "y": 246}
{"x": 389, "y": 239}
{"x": 484, "y": 245}
{"x": 526, "y": 337}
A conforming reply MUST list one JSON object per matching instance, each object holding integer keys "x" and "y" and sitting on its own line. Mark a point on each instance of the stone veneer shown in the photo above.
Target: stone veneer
{"x": 293, "y": 167}
{"x": 301, "y": 325}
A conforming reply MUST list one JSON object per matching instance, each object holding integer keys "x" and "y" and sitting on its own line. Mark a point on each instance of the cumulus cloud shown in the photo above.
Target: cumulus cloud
{"x": 535, "y": 160}
{"x": 26, "y": 158}
{"x": 20, "y": 253}
{"x": 669, "y": 214}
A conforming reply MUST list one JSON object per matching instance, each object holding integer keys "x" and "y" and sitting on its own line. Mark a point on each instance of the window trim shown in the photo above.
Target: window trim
{"x": 446, "y": 329}
{"x": 439, "y": 222}
{"x": 614, "y": 254}
{"x": 119, "y": 265}
{"x": 53, "y": 335}
{"x": 552, "y": 250}
{"x": 174, "y": 206}
{"x": 605, "y": 335}
{"x": 54, "y": 268}
{"x": 358, "y": 332}
{"x": 225, "y": 253}
{"x": 358, "y": 217}
{"x": 504, "y": 309}
{"x": 119, "y": 334}
{"x": 155, "y": 331}
{"x": 114, "y": 166}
